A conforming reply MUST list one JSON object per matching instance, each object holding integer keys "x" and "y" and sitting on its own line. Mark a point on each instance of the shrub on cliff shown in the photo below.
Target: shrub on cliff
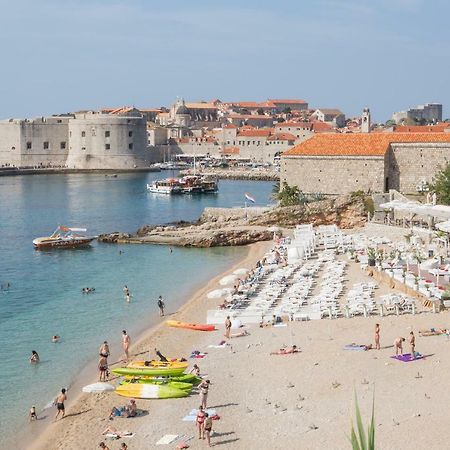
{"x": 441, "y": 185}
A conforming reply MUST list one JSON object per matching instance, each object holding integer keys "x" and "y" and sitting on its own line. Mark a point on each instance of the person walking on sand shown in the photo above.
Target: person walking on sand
{"x": 412, "y": 343}
{"x": 377, "y": 336}
{"x": 59, "y": 402}
{"x": 126, "y": 344}
{"x": 102, "y": 368}
{"x": 227, "y": 327}
{"x": 33, "y": 415}
{"x": 204, "y": 389}
{"x": 398, "y": 345}
{"x": 200, "y": 422}
{"x": 207, "y": 429}
{"x": 161, "y": 306}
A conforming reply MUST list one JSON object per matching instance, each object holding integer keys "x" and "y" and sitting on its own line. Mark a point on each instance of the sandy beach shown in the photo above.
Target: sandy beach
{"x": 305, "y": 400}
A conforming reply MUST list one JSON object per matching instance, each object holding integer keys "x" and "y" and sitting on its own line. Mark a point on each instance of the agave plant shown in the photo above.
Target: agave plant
{"x": 361, "y": 441}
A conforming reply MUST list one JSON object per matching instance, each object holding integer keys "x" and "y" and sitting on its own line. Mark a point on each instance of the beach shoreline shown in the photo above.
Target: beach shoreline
{"x": 46, "y": 435}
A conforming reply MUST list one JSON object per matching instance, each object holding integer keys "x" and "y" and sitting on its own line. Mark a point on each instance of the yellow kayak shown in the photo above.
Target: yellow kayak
{"x": 159, "y": 364}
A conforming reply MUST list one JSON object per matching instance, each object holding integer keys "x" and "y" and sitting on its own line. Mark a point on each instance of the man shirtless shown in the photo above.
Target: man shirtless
{"x": 398, "y": 345}
{"x": 125, "y": 344}
{"x": 59, "y": 402}
{"x": 227, "y": 327}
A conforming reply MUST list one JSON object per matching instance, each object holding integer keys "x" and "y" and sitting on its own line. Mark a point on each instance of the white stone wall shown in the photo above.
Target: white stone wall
{"x": 102, "y": 141}
{"x": 333, "y": 175}
{"x": 409, "y": 164}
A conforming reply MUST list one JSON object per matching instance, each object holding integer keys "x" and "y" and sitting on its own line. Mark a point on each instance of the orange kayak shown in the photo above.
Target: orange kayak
{"x": 190, "y": 326}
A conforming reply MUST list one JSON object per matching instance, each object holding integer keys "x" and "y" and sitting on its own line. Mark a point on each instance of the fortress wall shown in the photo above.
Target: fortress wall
{"x": 101, "y": 141}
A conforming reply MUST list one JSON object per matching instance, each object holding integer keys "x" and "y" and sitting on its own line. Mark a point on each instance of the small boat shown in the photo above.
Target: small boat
{"x": 190, "y": 326}
{"x": 158, "y": 364}
{"x": 193, "y": 184}
{"x": 149, "y": 371}
{"x": 168, "y": 186}
{"x": 148, "y": 391}
{"x": 175, "y": 384}
{"x": 184, "y": 378}
{"x": 64, "y": 237}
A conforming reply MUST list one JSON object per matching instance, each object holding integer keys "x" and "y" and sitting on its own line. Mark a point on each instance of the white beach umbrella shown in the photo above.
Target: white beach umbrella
{"x": 229, "y": 279}
{"x": 241, "y": 271}
{"x": 97, "y": 388}
{"x": 217, "y": 293}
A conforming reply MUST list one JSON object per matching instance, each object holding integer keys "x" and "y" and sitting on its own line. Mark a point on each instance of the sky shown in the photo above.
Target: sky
{"x": 66, "y": 55}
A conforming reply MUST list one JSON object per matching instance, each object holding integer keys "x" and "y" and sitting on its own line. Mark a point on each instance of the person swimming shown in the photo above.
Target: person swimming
{"x": 55, "y": 338}
{"x": 34, "y": 359}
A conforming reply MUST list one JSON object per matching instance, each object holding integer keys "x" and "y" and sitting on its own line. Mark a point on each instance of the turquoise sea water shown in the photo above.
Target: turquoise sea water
{"x": 44, "y": 297}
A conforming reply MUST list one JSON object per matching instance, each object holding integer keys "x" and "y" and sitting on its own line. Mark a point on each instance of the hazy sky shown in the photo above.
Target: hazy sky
{"x": 64, "y": 55}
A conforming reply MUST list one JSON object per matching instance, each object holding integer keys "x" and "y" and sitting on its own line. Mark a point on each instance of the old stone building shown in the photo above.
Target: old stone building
{"x": 332, "y": 116}
{"x": 85, "y": 140}
{"x": 372, "y": 162}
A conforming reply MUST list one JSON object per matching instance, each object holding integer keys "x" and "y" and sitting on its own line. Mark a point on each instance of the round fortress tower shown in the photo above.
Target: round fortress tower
{"x": 107, "y": 141}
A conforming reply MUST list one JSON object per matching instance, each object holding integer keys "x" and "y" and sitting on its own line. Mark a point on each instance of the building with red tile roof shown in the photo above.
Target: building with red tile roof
{"x": 375, "y": 162}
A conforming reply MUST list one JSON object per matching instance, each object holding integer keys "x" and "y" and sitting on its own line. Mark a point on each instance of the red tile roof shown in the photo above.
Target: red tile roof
{"x": 362, "y": 144}
{"x": 307, "y": 125}
{"x": 258, "y": 132}
{"x": 230, "y": 125}
{"x": 292, "y": 102}
{"x": 321, "y": 127}
{"x": 439, "y": 128}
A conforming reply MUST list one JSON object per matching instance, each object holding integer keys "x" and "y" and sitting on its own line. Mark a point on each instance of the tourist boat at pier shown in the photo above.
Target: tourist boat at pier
{"x": 64, "y": 237}
{"x": 168, "y": 186}
{"x": 191, "y": 184}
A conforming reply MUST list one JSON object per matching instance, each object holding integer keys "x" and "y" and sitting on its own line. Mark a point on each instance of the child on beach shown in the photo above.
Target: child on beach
{"x": 398, "y": 345}
{"x": 195, "y": 370}
{"x": 204, "y": 389}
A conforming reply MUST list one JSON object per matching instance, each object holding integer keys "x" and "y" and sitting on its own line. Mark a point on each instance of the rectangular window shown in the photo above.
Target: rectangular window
{"x": 46, "y": 145}
{"x": 130, "y": 134}
{"x": 107, "y": 146}
{"x": 28, "y": 145}
{"x": 107, "y": 133}
{"x": 83, "y": 133}
{"x": 62, "y": 145}
{"x": 130, "y": 145}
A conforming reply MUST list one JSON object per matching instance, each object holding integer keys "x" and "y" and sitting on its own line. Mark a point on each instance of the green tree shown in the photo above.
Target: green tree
{"x": 287, "y": 110}
{"x": 288, "y": 195}
{"x": 391, "y": 123}
{"x": 260, "y": 111}
{"x": 441, "y": 185}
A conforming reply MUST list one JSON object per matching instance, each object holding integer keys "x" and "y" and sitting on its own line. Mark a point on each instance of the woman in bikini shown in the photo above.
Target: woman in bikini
{"x": 200, "y": 422}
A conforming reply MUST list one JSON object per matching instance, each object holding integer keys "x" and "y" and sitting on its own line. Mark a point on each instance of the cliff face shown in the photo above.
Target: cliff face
{"x": 345, "y": 211}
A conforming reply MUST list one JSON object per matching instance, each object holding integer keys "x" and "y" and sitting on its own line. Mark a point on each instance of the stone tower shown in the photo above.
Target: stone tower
{"x": 365, "y": 121}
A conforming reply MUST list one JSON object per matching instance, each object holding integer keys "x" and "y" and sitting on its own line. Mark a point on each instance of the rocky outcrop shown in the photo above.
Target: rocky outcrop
{"x": 219, "y": 227}
{"x": 193, "y": 236}
{"x": 345, "y": 211}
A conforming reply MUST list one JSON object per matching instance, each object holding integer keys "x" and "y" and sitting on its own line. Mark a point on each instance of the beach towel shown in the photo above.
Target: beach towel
{"x": 217, "y": 346}
{"x": 280, "y": 325}
{"x": 167, "y": 439}
{"x": 408, "y": 358}
{"x": 355, "y": 347}
{"x": 116, "y": 436}
{"x": 198, "y": 355}
{"x": 193, "y": 415}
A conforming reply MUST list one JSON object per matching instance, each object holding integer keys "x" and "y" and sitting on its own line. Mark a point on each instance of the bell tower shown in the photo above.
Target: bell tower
{"x": 365, "y": 121}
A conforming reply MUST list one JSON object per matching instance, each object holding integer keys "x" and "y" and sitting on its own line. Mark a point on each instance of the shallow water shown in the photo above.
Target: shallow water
{"x": 44, "y": 297}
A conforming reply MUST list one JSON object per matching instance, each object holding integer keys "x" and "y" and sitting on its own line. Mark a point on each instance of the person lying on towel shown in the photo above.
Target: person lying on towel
{"x": 286, "y": 351}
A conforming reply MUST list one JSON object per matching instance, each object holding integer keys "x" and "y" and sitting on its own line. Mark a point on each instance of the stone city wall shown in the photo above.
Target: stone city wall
{"x": 410, "y": 164}
{"x": 333, "y": 175}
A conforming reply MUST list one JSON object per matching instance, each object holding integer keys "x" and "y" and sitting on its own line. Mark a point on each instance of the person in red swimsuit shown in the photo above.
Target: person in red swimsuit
{"x": 200, "y": 422}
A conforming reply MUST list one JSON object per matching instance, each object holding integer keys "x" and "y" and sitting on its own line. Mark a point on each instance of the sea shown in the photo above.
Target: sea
{"x": 41, "y": 291}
